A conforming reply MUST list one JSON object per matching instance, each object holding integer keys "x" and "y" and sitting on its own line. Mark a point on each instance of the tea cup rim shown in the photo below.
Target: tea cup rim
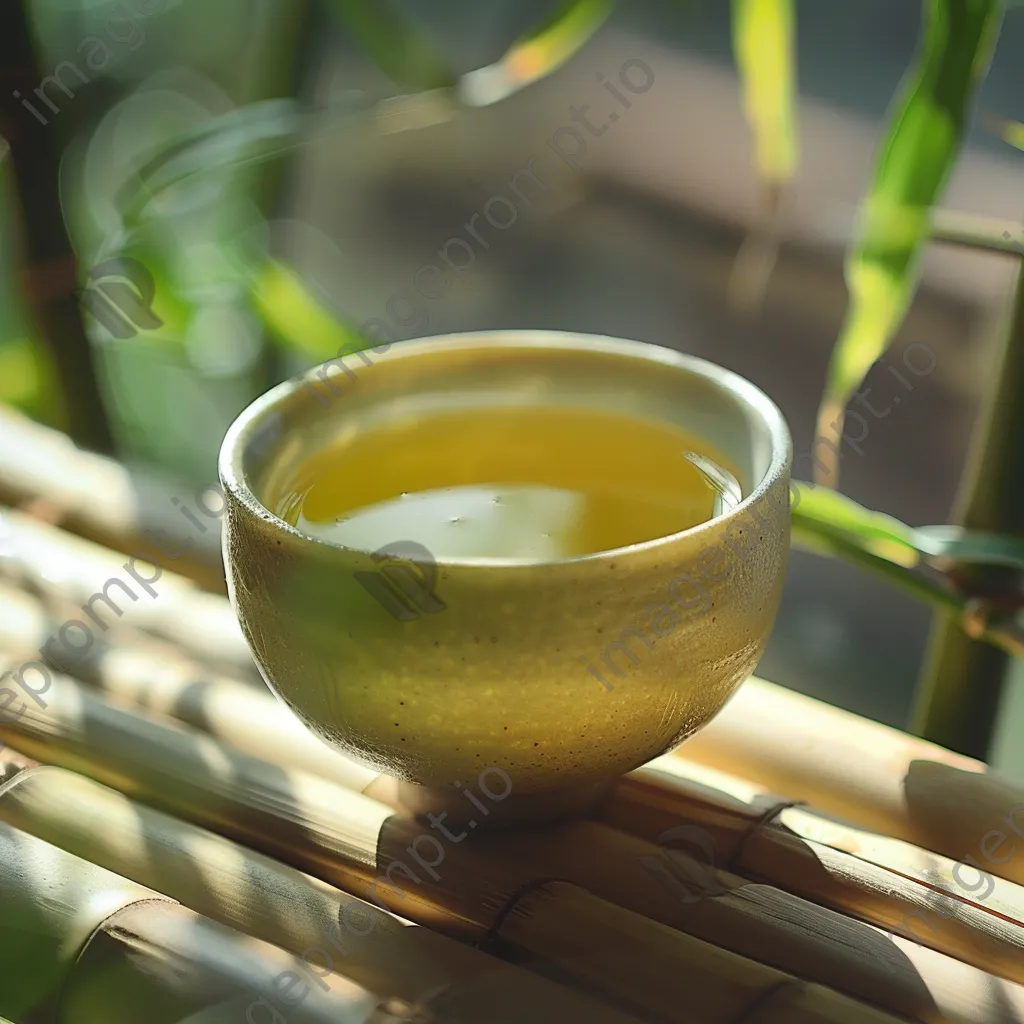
{"x": 233, "y": 448}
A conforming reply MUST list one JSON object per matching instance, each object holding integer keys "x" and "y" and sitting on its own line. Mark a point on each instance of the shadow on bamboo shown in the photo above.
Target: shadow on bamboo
{"x": 521, "y": 893}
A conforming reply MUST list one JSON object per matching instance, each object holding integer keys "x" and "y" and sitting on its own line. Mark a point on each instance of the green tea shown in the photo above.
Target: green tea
{"x": 527, "y": 482}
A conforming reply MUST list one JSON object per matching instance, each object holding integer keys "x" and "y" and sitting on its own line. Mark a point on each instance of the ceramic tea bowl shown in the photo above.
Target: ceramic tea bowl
{"x": 558, "y": 675}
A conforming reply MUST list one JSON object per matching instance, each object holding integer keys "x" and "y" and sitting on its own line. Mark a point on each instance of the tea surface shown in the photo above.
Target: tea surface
{"x": 522, "y": 482}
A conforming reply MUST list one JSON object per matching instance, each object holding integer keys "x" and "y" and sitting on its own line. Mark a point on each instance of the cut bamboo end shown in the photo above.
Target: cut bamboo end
{"x": 52, "y": 904}
{"x": 863, "y": 772}
{"x": 160, "y": 962}
{"x": 79, "y": 942}
{"x": 330, "y": 931}
{"x": 113, "y": 589}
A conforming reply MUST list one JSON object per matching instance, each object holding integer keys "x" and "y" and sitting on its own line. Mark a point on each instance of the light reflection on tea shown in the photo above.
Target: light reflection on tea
{"x": 529, "y": 482}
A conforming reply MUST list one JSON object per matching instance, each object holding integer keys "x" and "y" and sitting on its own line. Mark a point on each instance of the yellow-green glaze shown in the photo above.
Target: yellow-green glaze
{"x": 495, "y": 678}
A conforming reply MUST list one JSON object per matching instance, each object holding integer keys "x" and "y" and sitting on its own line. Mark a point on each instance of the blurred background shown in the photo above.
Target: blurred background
{"x": 263, "y": 169}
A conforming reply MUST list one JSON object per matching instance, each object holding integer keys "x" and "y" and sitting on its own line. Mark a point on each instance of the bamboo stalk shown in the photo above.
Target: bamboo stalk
{"x": 346, "y": 838}
{"x": 845, "y": 765}
{"x": 49, "y": 280}
{"x": 158, "y": 962}
{"x": 894, "y": 892}
{"x": 897, "y": 897}
{"x": 79, "y": 942}
{"x": 866, "y": 773}
{"x": 960, "y": 689}
{"x": 104, "y": 501}
{"x": 842, "y": 764}
{"x": 707, "y": 985}
{"x": 144, "y": 595}
{"x": 550, "y": 920}
{"x": 884, "y": 881}
{"x": 52, "y": 903}
{"x": 329, "y": 929}
{"x": 232, "y": 710}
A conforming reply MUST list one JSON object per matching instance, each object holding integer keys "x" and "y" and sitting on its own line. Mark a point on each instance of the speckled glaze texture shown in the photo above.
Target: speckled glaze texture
{"x": 562, "y": 673}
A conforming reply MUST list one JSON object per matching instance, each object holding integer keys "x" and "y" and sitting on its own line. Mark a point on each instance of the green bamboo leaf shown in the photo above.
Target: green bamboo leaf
{"x": 399, "y": 49}
{"x": 538, "y": 53}
{"x": 926, "y": 130}
{"x": 260, "y": 131}
{"x": 763, "y": 33}
{"x": 830, "y": 524}
{"x": 297, "y": 319}
{"x": 955, "y": 544}
{"x": 21, "y": 372}
{"x": 821, "y": 512}
{"x": 1009, "y": 131}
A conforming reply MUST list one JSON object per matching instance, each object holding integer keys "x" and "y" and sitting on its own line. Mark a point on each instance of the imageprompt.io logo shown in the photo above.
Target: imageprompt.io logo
{"x": 405, "y": 584}
{"x": 119, "y": 294}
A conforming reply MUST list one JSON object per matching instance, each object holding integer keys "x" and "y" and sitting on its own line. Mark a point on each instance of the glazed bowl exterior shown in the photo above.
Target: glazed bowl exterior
{"x": 560, "y": 674}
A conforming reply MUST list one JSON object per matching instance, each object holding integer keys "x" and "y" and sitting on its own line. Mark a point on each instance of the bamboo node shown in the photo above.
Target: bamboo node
{"x": 394, "y": 1009}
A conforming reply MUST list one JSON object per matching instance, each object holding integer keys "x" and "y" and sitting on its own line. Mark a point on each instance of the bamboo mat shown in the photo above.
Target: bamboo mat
{"x": 176, "y": 846}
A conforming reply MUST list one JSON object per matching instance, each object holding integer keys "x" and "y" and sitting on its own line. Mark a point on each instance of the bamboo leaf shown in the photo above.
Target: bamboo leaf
{"x": 830, "y": 524}
{"x": 536, "y": 54}
{"x": 401, "y": 51}
{"x": 953, "y": 543}
{"x": 763, "y": 33}
{"x": 926, "y": 130}
{"x": 297, "y": 319}
{"x": 254, "y": 133}
{"x": 22, "y": 369}
{"x": 1009, "y": 131}
{"x": 821, "y": 512}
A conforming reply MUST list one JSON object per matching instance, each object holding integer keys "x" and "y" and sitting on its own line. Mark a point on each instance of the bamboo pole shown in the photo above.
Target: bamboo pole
{"x": 80, "y": 943}
{"x": 956, "y": 908}
{"x": 707, "y": 985}
{"x": 159, "y": 962}
{"x": 145, "y": 596}
{"x": 329, "y": 929}
{"x": 866, "y": 773}
{"x": 346, "y": 839}
{"x": 51, "y": 903}
{"x": 253, "y": 721}
{"x": 104, "y": 501}
{"x": 166, "y": 682}
{"x": 550, "y": 919}
{"x": 50, "y": 272}
{"x": 847, "y": 766}
{"x": 962, "y": 682}
{"x": 804, "y": 854}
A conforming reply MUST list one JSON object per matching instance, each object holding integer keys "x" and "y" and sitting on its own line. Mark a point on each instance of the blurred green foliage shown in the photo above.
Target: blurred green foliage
{"x": 172, "y": 168}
